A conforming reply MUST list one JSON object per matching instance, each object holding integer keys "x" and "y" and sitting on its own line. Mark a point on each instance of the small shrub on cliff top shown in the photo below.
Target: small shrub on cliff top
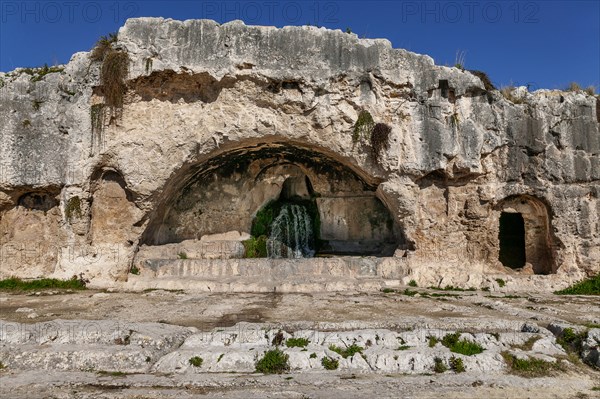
{"x": 103, "y": 46}
{"x": 507, "y": 92}
{"x": 485, "y": 79}
{"x": 114, "y": 70}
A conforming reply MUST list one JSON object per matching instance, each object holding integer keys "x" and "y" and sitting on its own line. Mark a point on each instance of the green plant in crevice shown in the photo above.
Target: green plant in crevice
{"x": 182, "y": 255}
{"x": 255, "y": 247}
{"x": 113, "y": 72}
{"x": 73, "y": 208}
{"x": 439, "y": 366}
{"x": 590, "y": 286}
{"x": 454, "y": 121}
{"x": 296, "y": 342}
{"x": 134, "y": 270}
{"x": 380, "y": 140}
{"x": 45, "y": 70}
{"x": 347, "y": 352}
{"x": 115, "y": 68}
{"x": 273, "y": 362}
{"x": 571, "y": 341}
{"x": 196, "y": 361}
{"x": 261, "y": 225}
{"x": 330, "y": 363}
{"x": 529, "y": 368}
{"x": 363, "y": 126}
{"x": 456, "y": 364}
{"x": 462, "y": 346}
{"x": 103, "y": 46}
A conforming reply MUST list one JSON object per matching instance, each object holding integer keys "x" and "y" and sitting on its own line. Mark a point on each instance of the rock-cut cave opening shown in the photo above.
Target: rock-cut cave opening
{"x": 291, "y": 202}
{"x": 524, "y": 236}
{"x": 512, "y": 240}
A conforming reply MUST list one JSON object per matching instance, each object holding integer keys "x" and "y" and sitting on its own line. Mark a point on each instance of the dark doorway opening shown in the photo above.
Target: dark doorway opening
{"x": 512, "y": 240}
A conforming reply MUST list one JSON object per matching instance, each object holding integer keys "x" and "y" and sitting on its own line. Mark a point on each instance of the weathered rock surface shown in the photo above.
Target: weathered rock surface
{"x": 143, "y": 346}
{"x": 218, "y": 119}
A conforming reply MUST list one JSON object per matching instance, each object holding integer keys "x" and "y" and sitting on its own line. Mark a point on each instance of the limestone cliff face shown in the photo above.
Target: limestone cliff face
{"x": 218, "y": 117}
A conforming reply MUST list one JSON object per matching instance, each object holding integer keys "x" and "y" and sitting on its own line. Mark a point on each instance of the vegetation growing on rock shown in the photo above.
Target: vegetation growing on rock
{"x": 273, "y": 362}
{"x": 589, "y": 286}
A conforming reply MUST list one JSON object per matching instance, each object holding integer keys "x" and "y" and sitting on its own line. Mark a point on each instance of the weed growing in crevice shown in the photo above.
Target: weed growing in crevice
{"x": 462, "y": 346}
{"x": 196, "y": 361}
{"x": 530, "y": 368}
{"x": 113, "y": 72}
{"x": 73, "y": 208}
{"x": 273, "y": 362}
{"x": 380, "y": 137}
{"x": 439, "y": 366}
{"x": 363, "y": 126}
{"x": 16, "y": 284}
{"x": 347, "y": 352}
{"x": 590, "y": 286}
{"x": 255, "y": 247}
{"x": 296, "y": 342}
{"x": 329, "y": 363}
{"x": 456, "y": 364}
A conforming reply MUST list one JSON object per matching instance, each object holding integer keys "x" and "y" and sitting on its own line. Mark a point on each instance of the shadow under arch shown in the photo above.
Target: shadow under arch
{"x": 525, "y": 233}
{"x": 254, "y": 173}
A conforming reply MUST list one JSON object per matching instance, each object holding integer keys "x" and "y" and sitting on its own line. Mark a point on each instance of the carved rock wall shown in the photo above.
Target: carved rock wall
{"x": 200, "y": 94}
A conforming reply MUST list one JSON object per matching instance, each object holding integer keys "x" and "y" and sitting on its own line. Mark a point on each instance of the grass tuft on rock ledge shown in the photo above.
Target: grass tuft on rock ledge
{"x": 16, "y": 284}
{"x": 348, "y": 352}
{"x": 529, "y": 368}
{"x": 296, "y": 342}
{"x": 591, "y": 286}
{"x": 273, "y": 362}
{"x": 329, "y": 363}
{"x": 464, "y": 347}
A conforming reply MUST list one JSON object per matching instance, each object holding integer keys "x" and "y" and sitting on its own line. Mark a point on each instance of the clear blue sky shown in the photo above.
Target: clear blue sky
{"x": 544, "y": 43}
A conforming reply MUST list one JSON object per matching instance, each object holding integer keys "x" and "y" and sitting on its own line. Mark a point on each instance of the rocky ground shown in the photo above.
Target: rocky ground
{"x": 93, "y": 344}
